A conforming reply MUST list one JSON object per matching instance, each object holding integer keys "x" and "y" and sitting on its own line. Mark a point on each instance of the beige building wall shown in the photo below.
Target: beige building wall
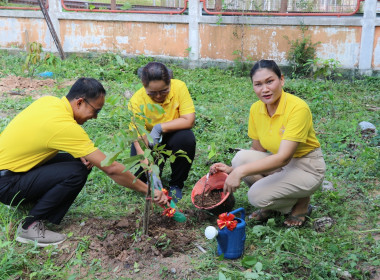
{"x": 257, "y": 42}
{"x": 198, "y": 38}
{"x": 134, "y": 38}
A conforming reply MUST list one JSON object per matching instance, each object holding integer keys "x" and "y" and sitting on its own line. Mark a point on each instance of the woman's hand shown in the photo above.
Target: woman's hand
{"x": 156, "y": 134}
{"x": 220, "y": 167}
{"x": 232, "y": 182}
{"x": 160, "y": 198}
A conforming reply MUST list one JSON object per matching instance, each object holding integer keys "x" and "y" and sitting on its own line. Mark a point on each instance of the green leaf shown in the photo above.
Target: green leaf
{"x": 155, "y": 169}
{"x": 222, "y": 276}
{"x": 251, "y": 275}
{"x": 186, "y": 157}
{"x": 271, "y": 222}
{"x": 132, "y": 163}
{"x": 248, "y": 261}
{"x": 258, "y": 266}
{"x": 119, "y": 60}
{"x": 147, "y": 153}
{"x": 259, "y": 230}
{"x": 150, "y": 106}
{"x": 172, "y": 158}
{"x": 159, "y": 109}
{"x": 110, "y": 158}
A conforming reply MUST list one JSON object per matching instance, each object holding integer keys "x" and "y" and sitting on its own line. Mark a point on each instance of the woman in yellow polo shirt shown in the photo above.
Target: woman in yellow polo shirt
{"x": 285, "y": 165}
{"x": 173, "y": 128}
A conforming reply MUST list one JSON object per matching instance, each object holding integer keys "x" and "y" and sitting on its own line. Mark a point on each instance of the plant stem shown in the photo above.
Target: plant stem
{"x": 148, "y": 200}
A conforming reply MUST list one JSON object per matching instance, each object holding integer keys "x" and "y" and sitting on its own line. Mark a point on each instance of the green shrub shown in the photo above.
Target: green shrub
{"x": 302, "y": 50}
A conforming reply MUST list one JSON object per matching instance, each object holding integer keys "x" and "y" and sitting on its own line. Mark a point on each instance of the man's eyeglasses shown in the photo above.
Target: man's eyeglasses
{"x": 161, "y": 92}
{"x": 97, "y": 111}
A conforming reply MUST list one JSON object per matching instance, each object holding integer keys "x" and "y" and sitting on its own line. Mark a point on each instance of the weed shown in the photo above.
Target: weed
{"x": 242, "y": 65}
{"x": 126, "y": 6}
{"x": 302, "y": 50}
{"x": 187, "y": 52}
{"x": 324, "y": 68}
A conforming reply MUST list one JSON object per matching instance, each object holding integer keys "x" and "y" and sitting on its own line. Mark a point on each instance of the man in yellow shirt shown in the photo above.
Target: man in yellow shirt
{"x": 46, "y": 156}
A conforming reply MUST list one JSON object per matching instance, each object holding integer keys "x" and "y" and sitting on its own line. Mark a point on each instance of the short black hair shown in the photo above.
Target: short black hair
{"x": 88, "y": 88}
{"x": 268, "y": 64}
{"x": 155, "y": 71}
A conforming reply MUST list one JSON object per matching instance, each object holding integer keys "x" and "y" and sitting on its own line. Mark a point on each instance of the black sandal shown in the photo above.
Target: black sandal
{"x": 297, "y": 218}
{"x": 261, "y": 215}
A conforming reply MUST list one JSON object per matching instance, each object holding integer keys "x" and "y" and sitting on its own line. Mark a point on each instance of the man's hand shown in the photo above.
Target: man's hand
{"x": 160, "y": 198}
{"x": 156, "y": 135}
{"x": 220, "y": 167}
{"x": 88, "y": 164}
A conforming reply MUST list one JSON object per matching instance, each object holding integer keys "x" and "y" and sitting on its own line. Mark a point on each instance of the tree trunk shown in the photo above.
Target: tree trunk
{"x": 113, "y": 4}
{"x": 218, "y": 5}
{"x": 284, "y": 6}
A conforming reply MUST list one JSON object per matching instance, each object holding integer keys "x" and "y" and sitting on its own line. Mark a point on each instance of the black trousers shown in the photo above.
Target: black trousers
{"x": 178, "y": 140}
{"x": 52, "y": 187}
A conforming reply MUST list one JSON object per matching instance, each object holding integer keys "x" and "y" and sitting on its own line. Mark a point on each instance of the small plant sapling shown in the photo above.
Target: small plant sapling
{"x": 153, "y": 156}
{"x": 36, "y": 57}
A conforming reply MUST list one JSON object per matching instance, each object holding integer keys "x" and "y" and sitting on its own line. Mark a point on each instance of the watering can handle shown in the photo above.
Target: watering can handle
{"x": 239, "y": 210}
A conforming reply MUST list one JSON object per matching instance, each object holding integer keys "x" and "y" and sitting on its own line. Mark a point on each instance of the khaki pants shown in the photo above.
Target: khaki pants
{"x": 280, "y": 189}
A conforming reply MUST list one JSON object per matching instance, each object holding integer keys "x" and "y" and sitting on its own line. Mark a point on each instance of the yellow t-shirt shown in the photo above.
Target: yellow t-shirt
{"x": 291, "y": 121}
{"x": 39, "y": 132}
{"x": 177, "y": 103}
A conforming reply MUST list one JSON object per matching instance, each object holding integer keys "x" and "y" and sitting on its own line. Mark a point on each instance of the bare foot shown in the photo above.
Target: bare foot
{"x": 299, "y": 212}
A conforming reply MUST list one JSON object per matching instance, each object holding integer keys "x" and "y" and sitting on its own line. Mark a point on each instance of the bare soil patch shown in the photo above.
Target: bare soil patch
{"x": 15, "y": 86}
{"x": 21, "y": 86}
{"x": 166, "y": 253}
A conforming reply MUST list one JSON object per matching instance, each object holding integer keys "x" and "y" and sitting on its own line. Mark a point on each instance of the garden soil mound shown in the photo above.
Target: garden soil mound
{"x": 165, "y": 253}
{"x": 21, "y": 86}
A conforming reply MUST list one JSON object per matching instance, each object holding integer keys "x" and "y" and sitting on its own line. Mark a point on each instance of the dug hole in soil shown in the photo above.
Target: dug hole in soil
{"x": 165, "y": 253}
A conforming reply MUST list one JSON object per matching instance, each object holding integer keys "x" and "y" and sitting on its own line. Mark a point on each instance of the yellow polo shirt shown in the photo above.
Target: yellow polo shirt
{"x": 291, "y": 121}
{"x": 177, "y": 103}
{"x": 39, "y": 132}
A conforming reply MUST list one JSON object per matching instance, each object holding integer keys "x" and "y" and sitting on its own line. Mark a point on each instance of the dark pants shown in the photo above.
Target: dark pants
{"x": 52, "y": 187}
{"x": 178, "y": 140}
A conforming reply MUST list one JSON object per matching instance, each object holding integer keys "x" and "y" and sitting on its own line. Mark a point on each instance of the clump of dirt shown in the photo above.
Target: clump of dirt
{"x": 20, "y": 86}
{"x": 120, "y": 245}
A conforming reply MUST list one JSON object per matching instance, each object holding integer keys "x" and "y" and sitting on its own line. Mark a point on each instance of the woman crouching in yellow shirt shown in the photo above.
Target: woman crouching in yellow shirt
{"x": 173, "y": 128}
{"x": 285, "y": 165}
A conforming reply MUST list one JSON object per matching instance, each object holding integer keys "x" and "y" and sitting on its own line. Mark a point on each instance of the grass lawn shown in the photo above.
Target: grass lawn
{"x": 347, "y": 250}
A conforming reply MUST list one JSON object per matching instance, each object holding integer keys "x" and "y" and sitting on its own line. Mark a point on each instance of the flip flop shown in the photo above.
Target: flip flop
{"x": 296, "y": 218}
{"x": 261, "y": 215}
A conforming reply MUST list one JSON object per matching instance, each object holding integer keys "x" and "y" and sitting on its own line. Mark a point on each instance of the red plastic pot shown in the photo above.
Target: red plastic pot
{"x": 215, "y": 182}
